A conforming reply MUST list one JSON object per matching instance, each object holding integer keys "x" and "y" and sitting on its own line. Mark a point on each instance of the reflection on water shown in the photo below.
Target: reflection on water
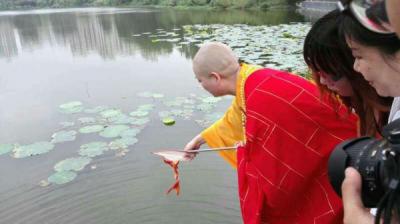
{"x": 49, "y": 57}
{"x": 110, "y": 34}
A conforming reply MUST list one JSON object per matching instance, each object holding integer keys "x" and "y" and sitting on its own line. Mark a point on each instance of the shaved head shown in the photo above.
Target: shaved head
{"x": 215, "y": 57}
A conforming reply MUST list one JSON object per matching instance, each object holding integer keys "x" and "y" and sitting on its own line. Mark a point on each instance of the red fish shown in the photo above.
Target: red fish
{"x": 172, "y": 158}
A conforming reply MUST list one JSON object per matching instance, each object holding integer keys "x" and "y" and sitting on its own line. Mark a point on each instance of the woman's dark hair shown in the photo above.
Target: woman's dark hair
{"x": 350, "y": 28}
{"x": 324, "y": 52}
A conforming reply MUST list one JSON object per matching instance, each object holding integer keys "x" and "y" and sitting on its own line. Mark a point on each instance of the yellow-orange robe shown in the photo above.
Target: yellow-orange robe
{"x": 230, "y": 128}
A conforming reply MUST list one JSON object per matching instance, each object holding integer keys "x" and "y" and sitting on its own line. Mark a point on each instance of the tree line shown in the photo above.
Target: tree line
{"x": 25, "y": 4}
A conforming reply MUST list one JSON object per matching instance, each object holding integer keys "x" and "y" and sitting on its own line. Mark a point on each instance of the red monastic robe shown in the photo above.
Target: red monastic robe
{"x": 290, "y": 132}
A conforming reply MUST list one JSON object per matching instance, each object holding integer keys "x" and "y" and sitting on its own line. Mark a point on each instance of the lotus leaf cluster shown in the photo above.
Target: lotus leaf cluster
{"x": 278, "y": 46}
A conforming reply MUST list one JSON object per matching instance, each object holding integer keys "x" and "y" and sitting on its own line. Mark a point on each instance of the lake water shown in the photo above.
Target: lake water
{"x": 106, "y": 57}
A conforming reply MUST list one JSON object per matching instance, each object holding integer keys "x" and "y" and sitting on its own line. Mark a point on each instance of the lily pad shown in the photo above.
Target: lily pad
{"x": 86, "y": 120}
{"x": 122, "y": 119}
{"x": 63, "y": 136}
{"x": 62, "y": 177}
{"x": 110, "y": 113}
{"x": 140, "y": 121}
{"x": 37, "y": 148}
{"x": 146, "y": 107}
{"x": 93, "y": 149}
{"x": 95, "y": 109}
{"x": 66, "y": 124}
{"x": 6, "y": 148}
{"x": 168, "y": 121}
{"x": 211, "y": 100}
{"x": 71, "y": 107}
{"x": 139, "y": 113}
{"x": 131, "y": 132}
{"x": 72, "y": 164}
{"x": 122, "y": 143}
{"x": 205, "y": 107}
{"x": 113, "y": 131}
{"x": 91, "y": 129}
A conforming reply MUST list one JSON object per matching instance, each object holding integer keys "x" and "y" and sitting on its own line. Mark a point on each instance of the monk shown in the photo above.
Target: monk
{"x": 288, "y": 131}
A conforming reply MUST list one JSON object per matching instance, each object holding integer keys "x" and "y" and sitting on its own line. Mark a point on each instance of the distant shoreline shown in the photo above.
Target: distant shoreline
{"x": 317, "y": 5}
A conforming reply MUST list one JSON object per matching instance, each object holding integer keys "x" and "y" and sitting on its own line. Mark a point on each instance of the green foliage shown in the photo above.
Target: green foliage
{"x": 22, "y": 4}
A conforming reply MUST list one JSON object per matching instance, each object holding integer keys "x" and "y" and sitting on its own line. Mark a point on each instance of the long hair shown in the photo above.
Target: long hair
{"x": 349, "y": 27}
{"x": 324, "y": 52}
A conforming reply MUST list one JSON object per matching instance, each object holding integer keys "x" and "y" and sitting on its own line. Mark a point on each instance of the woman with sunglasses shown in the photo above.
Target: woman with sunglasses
{"x": 370, "y": 35}
{"x": 331, "y": 65}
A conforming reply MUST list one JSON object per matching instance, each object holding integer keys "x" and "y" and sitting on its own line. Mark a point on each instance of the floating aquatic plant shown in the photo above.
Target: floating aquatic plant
{"x": 206, "y": 107}
{"x": 63, "y": 136}
{"x": 113, "y": 131}
{"x": 93, "y": 149}
{"x": 211, "y": 100}
{"x": 62, "y": 177}
{"x": 122, "y": 143}
{"x": 276, "y": 46}
{"x": 121, "y": 119}
{"x": 6, "y": 148}
{"x": 146, "y": 107}
{"x": 209, "y": 119}
{"x": 140, "y": 121}
{"x": 91, "y": 129}
{"x": 71, "y": 107}
{"x": 95, "y": 109}
{"x": 86, "y": 120}
{"x": 66, "y": 124}
{"x": 32, "y": 149}
{"x": 139, "y": 113}
{"x": 72, "y": 164}
{"x": 110, "y": 113}
{"x": 131, "y": 132}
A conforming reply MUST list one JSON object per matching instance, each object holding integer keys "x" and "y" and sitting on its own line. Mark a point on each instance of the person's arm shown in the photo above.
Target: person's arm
{"x": 354, "y": 210}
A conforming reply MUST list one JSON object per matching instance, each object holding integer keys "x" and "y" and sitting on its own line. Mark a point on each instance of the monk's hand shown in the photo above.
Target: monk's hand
{"x": 194, "y": 144}
{"x": 354, "y": 210}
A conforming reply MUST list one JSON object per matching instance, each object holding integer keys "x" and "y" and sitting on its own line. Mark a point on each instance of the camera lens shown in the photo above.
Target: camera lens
{"x": 365, "y": 155}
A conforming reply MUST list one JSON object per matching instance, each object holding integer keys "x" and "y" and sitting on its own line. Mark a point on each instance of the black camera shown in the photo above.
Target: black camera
{"x": 377, "y": 160}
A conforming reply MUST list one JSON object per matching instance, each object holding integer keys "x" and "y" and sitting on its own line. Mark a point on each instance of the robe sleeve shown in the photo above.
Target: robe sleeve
{"x": 226, "y": 132}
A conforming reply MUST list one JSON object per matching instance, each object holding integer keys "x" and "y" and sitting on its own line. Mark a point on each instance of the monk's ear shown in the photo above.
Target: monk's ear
{"x": 216, "y": 76}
